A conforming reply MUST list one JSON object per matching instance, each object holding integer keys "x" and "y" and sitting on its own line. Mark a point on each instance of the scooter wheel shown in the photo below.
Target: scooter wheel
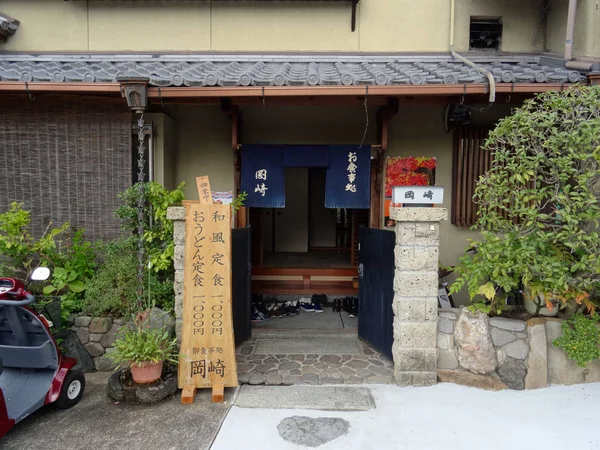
{"x": 72, "y": 390}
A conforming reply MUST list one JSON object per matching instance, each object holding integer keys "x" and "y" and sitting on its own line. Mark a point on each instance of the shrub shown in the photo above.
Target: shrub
{"x": 580, "y": 339}
{"x": 538, "y": 205}
{"x": 112, "y": 290}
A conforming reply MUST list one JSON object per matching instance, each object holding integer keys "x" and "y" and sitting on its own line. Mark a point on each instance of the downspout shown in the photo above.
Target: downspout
{"x": 469, "y": 63}
{"x": 569, "y": 63}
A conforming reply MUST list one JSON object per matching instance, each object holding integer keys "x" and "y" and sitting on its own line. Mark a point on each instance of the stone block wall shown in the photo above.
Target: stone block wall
{"x": 177, "y": 215}
{"x": 97, "y": 335}
{"x": 519, "y": 353}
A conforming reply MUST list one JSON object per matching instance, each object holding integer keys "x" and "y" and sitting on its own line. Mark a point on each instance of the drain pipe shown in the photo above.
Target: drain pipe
{"x": 469, "y": 63}
{"x": 569, "y": 63}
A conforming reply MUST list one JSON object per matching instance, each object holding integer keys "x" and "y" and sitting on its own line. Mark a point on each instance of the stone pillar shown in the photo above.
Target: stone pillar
{"x": 177, "y": 215}
{"x": 415, "y": 294}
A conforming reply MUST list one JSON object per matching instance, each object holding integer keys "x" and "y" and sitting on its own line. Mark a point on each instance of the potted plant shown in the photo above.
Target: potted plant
{"x": 144, "y": 350}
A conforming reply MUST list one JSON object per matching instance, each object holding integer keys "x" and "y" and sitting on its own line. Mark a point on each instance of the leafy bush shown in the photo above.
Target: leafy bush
{"x": 580, "y": 339}
{"x": 112, "y": 290}
{"x": 66, "y": 252}
{"x": 158, "y": 230}
{"x": 538, "y": 205}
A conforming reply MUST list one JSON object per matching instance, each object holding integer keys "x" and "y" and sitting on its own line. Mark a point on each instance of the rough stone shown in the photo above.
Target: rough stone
{"x": 561, "y": 369}
{"x": 332, "y": 380}
{"x": 508, "y": 324}
{"x": 179, "y": 232}
{"x": 265, "y": 367}
{"x": 411, "y": 215}
{"x": 364, "y": 373}
{"x": 424, "y": 378}
{"x": 275, "y": 380}
{"x": 119, "y": 322}
{"x": 104, "y": 363}
{"x": 96, "y": 337}
{"x": 380, "y": 379}
{"x": 475, "y": 348}
{"x": 129, "y": 392}
{"x": 295, "y": 372}
{"x": 257, "y": 378}
{"x": 445, "y": 341}
{"x": 73, "y": 347}
{"x": 501, "y": 337}
{"x": 161, "y": 320}
{"x": 447, "y": 360}
{"x": 537, "y": 361}
{"x": 289, "y": 365}
{"x": 243, "y": 378}
{"x": 353, "y": 379}
{"x": 451, "y": 314}
{"x": 320, "y": 366}
{"x": 179, "y": 257}
{"x": 310, "y": 378}
{"x": 516, "y": 349}
{"x": 500, "y": 355}
{"x": 416, "y": 258}
{"x": 82, "y": 321}
{"x": 100, "y": 325}
{"x": 84, "y": 335}
{"x": 271, "y": 360}
{"x": 415, "y": 334}
{"x": 470, "y": 379}
{"x": 108, "y": 339}
{"x": 356, "y": 364}
{"x": 416, "y": 359}
{"x": 312, "y": 432}
{"x": 309, "y": 370}
{"x": 445, "y": 325}
{"x": 347, "y": 371}
{"x": 94, "y": 349}
{"x": 291, "y": 379}
{"x": 176, "y": 213}
{"x": 246, "y": 350}
{"x": 416, "y": 284}
{"x": 512, "y": 371}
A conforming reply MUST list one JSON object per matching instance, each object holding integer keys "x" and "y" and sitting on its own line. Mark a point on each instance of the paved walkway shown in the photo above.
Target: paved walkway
{"x": 327, "y": 359}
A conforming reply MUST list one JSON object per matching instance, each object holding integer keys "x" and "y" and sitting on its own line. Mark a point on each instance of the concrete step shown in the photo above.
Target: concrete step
{"x": 302, "y": 333}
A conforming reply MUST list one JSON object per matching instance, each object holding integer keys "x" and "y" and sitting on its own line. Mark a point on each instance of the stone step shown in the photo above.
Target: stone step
{"x": 301, "y": 333}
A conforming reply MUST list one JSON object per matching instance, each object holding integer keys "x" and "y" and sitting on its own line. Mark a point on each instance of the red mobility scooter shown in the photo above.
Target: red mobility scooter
{"x": 33, "y": 372}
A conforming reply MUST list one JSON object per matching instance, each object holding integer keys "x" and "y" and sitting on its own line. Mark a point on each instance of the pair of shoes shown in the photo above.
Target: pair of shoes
{"x": 337, "y": 305}
{"x": 318, "y": 300}
{"x": 291, "y": 307}
{"x": 350, "y": 305}
{"x": 258, "y": 316}
{"x": 308, "y": 305}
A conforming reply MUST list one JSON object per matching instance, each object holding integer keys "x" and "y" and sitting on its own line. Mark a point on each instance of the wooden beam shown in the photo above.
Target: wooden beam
{"x": 284, "y": 271}
{"x": 218, "y": 393}
{"x": 19, "y": 86}
{"x": 188, "y": 393}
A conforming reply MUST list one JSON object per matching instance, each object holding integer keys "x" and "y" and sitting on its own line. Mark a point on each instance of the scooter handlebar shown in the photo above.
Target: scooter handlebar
{"x": 28, "y": 300}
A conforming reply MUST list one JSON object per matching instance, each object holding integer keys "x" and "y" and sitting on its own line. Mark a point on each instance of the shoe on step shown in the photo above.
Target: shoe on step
{"x": 317, "y": 308}
{"x": 307, "y": 306}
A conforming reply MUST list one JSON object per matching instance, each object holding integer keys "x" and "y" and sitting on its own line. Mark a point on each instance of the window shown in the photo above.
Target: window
{"x": 485, "y": 34}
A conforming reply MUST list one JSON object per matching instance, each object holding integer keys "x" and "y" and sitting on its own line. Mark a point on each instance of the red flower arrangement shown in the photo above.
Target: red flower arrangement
{"x": 408, "y": 171}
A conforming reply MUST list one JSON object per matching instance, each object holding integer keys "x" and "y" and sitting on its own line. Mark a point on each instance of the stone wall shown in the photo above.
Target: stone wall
{"x": 97, "y": 335}
{"x": 519, "y": 353}
{"x": 177, "y": 215}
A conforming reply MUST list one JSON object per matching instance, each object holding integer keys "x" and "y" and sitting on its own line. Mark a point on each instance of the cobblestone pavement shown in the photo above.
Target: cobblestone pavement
{"x": 368, "y": 366}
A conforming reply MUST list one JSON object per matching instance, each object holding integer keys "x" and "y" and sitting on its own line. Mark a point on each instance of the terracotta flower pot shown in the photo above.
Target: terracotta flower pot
{"x": 146, "y": 372}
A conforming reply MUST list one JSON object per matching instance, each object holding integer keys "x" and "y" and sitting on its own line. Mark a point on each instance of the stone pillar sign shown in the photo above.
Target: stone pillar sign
{"x": 415, "y": 294}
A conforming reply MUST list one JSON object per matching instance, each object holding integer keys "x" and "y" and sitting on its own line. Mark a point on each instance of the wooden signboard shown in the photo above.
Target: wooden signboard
{"x": 207, "y": 354}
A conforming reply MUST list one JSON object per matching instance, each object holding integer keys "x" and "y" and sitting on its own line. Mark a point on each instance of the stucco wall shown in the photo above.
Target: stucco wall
{"x": 382, "y": 25}
{"x": 587, "y": 28}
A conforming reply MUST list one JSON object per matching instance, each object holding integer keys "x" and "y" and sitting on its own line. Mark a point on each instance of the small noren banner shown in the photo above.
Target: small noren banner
{"x": 207, "y": 354}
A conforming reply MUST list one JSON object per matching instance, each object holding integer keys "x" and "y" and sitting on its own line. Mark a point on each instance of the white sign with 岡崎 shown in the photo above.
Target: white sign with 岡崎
{"x": 425, "y": 195}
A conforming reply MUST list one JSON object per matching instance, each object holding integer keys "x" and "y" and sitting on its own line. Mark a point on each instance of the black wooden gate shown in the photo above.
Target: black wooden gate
{"x": 241, "y": 273}
{"x": 376, "y": 288}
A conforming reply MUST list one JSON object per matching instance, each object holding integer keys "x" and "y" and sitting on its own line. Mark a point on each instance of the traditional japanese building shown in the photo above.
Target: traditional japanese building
{"x": 300, "y": 104}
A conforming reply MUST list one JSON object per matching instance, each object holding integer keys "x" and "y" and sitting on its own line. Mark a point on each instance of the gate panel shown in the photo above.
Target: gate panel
{"x": 376, "y": 288}
{"x": 241, "y": 283}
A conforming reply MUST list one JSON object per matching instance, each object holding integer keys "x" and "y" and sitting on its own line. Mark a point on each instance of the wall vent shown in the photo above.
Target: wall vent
{"x": 485, "y": 34}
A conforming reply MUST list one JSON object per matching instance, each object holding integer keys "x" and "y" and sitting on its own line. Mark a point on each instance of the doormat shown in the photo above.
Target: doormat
{"x": 323, "y": 398}
{"x": 308, "y": 346}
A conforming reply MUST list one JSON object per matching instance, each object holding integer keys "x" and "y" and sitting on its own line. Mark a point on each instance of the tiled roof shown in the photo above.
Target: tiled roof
{"x": 8, "y": 27}
{"x": 280, "y": 70}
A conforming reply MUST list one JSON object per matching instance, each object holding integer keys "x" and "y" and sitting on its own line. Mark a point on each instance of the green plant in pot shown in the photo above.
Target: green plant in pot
{"x": 144, "y": 350}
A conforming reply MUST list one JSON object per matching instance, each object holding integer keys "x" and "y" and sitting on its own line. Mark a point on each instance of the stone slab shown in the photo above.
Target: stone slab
{"x": 310, "y": 346}
{"x": 176, "y": 213}
{"x": 463, "y": 378}
{"x": 312, "y": 432}
{"x": 418, "y": 214}
{"x": 324, "y": 398}
{"x": 508, "y": 324}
